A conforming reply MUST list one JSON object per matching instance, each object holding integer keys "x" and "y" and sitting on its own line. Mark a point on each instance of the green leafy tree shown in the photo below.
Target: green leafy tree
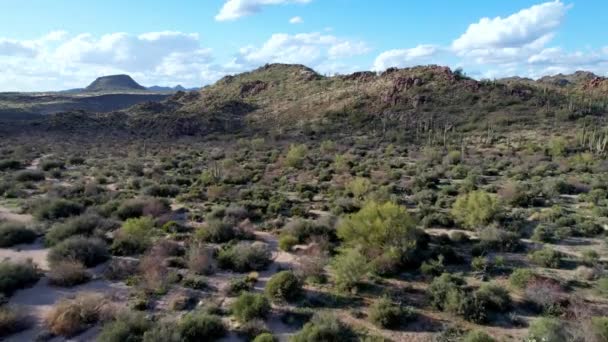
{"x": 349, "y": 268}
{"x": 296, "y": 155}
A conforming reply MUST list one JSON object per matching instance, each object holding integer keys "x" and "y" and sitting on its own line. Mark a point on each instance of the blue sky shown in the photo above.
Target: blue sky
{"x": 52, "y": 45}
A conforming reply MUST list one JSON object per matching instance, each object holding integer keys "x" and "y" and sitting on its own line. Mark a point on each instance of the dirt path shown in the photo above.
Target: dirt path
{"x": 9, "y": 214}
{"x": 35, "y": 251}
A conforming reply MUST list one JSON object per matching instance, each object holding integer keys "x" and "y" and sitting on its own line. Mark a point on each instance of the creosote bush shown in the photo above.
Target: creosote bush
{"x": 475, "y": 209}
{"x": 134, "y": 237}
{"x": 324, "y": 327}
{"x": 13, "y": 233}
{"x": 17, "y": 275}
{"x": 200, "y": 326}
{"x": 249, "y": 306}
{"x": 68, "y": 273}
{"x": 68, "y": 317}
{"x": 283, "y": 286}
{"x": 89, "y": 251}
{"x": 386, "y": 314}
{"x": 245, "y": 256}
{"x": 56, "y": 209}
{"x": 128, "y": 326}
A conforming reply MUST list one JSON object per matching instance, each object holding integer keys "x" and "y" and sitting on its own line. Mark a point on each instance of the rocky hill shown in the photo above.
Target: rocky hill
{"x": 281, "y": 98}
{"x": 114, "y": 83}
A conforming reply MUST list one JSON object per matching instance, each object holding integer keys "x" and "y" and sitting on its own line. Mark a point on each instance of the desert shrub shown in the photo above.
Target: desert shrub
{"x": 590, "y": 257}
{"x": 515, "y": 194}
{"x": 494, "y": 297}
{"x": 433, "y": 268}
{"x": 69, "y": 317}
{"x": 599, "y": 327}
{"x": 304, "y": 230}
{"x": 68, "y": 273}
{"x": 163, "y": 332}
{"x": 200, "y": 259}
{"x": 80, "y": 225}
{"x": 56, "y": 209}
{"x": 480, "y": 264}
{"x": 249, "y": 306}
{"x": 287, "y": 241}
{"x": 134, "y": 236}
{"x": 143, "y": 206}
{"x": 520, "y": 277}
{"x": 296, "y": 155}
{"x": 477, "y": 336}
{"x": 155, "y": 275}
{"x": 544, "y": 233}
{"x": 12, "y": 233}
{"x": 386, "y": 314}
{"x": 17, "y": 275}
{"x": 161, "y": 190}
{"x": 245, "y": 256}
{"x": 10, "y": 164}
{"x": 497, "y": 239}
{"x": 120, "y": 269}
{"x": 324, "y": 327}
{"x": 29, "y": 176}
{"x": 240, "y": 284}
{"x": 546, "y": 257}
{"x": 217, "y": 231}
{"x": 359, "y": 187}
{"x": 198, "y": 326}
{"x": 545, "y": 295}
{"x": 89, "y": 251}
{"x": 129, "y": 326}
{"x": 602, "y": 286}
{"x": 12, "y": 320}
{"x": 440, "y": 288}
{"x": 349, "y": 268}
{"x": 381, "y": 230}
{"x": 547, "y": 329}
{"x": 48, "y": 165}
{"x": 466, "y": 305}
{"x": 195, "y": 282}
{"x": 283, "y": 286}
{"x": 265, "y": 337}
{"x": 475, "y": 209}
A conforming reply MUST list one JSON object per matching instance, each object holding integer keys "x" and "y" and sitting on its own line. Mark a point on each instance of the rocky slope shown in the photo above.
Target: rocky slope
{"x": 114, "y": 83}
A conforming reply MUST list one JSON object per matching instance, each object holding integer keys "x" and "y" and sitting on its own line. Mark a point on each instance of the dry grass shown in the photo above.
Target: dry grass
{"x": 71, "y": 316}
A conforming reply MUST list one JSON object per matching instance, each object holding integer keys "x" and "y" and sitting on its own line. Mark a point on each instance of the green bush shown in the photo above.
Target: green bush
{"x": 440, "y": 288}
{"x": 475, "y": 209}
{"x": 198, "y": 326}
{"x": 494, "y": 297}
{"x": 283, "y": 286}
{"x": 48, "y": 165}
{"x": 126, "y": 327}
{"x": 599, "y": 325}
{"x": 68, "y": 273}
{"x": 217, "y": 231}
{"x": 547, "y": 329}
{"x": 477, "y": 336}
{"x": 143, "y": 206}
{"x": 17, "y": 275}
{"x": 296, "y": 155}
{"x": 161, "y": 190}
{"x": 249, "y": 306}
{"x": 521, "y": 277}
{"x": 602, "y": 286}
{"x": 324, "y": 327}
{"x": 12, "y": 320}
{"x": 265, "y": 337}
{"x": 29, "y": 176}
{"x": 89, "y": 251}
{"x": 10, "y": 164}
{"x": 386, "y": 314}
{"x": 349, "y": 268}
{"x": 287, "y": 241}
{"x": 12, "y": 233}
{"x": 381, "y": 230}
{"x": 134, "y": 237}
{"x": 245, "y": 257}
{"x": 80, "y": 225}
{"x": 546, "y": 257}
{"x": 163, "y": 332}
{"x": 57, "y": 209}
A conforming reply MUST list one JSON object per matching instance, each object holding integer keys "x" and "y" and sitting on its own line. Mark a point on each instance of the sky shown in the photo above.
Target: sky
{"x": 63, "y": 44}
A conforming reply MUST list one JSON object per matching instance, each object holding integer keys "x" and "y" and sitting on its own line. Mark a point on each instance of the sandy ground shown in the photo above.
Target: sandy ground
{"x": 36, "y": 252}
{"x": 9, "y": 214}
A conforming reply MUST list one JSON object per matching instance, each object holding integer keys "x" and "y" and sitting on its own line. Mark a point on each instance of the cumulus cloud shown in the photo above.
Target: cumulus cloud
{"x": 304, "y": 48}
{"x": 235, "y": 9}
{"x": 296, "y": 20}
{"x": 521, "y": 28}
{"x": 404, "y": 57}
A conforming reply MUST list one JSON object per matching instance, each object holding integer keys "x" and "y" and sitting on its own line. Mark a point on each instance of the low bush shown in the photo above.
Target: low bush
{"x": 29, "y": 176}
{"x": 142, "y": 206}
{"x": 324, "y": 327}
{"x": 161, "y": 190}
{"x": 68, "y": 273}
{"x": 265, "y": 337}
{"x": 249, "y": 306}
{"x": 128, "y": 326}
{"x": 10, "y": 164}
{"x": 475, "y": 209}
{"x": 198, "y": 326}
{"x": 520, "y": 277}
{"x": 48, "y": 165}
{"x": 245, "y": 256}
{"x": 88, "y": 251}
{"x": 200, "y": 259}
{"x": 547, "y": 329}
{"x": 68, "y": 317}
{"x": 12, "y": 233}
{"x": 80, "y": 225}
{"x": 195, "y": 282}
{"x": 17, "y": 275}
{"x": 12, "y": 320}
{"x": 57, "y": 209}
{"x": 283, "y": 286}
{"x": 477, "y": 336}
{"x": 163, "y": 332}
{"x": 546, "y": 257}
{"x": 386, "y": 314}
{"x": 349, "y": 268}
{"x": 217, "y": 231}
{"x": 287, "y": 241}
{"x": 599, "y": 327}
{"x": 134, "y": 237}
{"x": 494, "y": 297}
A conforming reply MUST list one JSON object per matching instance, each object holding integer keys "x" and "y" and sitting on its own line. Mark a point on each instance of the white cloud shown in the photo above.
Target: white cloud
{"x": 311, "y": 49}
{"x": 516, "y": 30}
{"x": 235, "y": 9}
{"x": 296, "y": 20}
{"x": 405, "y": 57}
{"x": 17, "y": 48}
